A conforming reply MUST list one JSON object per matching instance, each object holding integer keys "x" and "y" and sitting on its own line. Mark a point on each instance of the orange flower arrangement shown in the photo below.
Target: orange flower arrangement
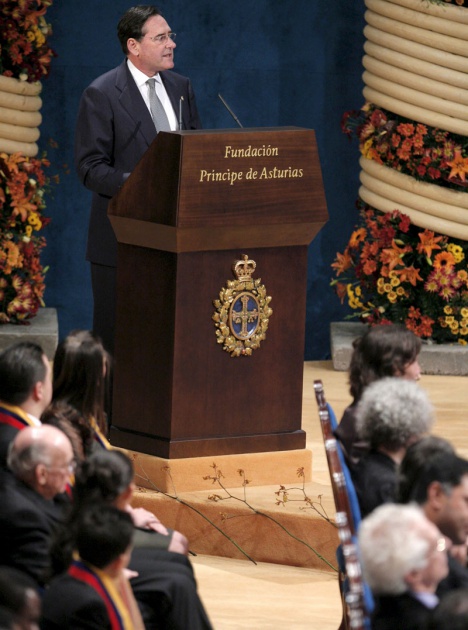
{"x": 22, "y": 186}
{"x": 394, "y": 272}
{"x": 24, "y": 52}
{"x": 425, "y": 153}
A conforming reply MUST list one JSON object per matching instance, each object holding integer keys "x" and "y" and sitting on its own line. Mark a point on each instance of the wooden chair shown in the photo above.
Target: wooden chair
{"x": 353, "y": 588}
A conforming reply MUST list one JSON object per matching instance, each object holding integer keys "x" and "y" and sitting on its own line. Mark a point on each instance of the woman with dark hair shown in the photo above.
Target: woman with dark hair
{"x": 65, "y": 417}
{"x": 386, "y": 350}
{"x": 164, "y": 587}
{"x": 81, "y": 374}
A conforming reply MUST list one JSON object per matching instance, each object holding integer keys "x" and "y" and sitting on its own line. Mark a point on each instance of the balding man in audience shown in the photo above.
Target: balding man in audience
{"x": 25, "y": 390}
{"x": 41, "y": 460}
{"x": 404, "y": 559}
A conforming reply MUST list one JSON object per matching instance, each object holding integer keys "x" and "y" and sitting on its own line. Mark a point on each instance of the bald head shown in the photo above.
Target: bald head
{"x": 42, "y": 457}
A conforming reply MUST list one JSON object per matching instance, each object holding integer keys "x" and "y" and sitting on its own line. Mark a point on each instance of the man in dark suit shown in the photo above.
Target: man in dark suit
{"x": 116, "y": 124}
{"x": 25, "y": 390}
{"x": 41, "y": 460}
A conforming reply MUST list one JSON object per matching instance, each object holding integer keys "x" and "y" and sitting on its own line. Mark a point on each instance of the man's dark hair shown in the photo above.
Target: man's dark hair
{"x": 447, "y": 468}
{"x": 132, "y": 22}
{"x": 103, "y": 534}
{"x": 21, "y": 367}
{"x": 416, "y": 457}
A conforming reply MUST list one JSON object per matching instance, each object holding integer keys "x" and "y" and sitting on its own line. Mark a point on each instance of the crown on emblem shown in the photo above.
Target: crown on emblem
{"x": 243, "y": 269}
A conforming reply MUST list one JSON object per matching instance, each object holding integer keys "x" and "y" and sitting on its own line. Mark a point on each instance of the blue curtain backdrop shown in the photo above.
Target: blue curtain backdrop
{"x": 276, "y": 62}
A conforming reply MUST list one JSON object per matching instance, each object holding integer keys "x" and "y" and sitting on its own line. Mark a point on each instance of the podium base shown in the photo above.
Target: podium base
{"x": 206, "y": 447}
{"x": 187, "y": 475}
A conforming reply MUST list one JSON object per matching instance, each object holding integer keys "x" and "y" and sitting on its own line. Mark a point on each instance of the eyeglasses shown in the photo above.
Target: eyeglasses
{"x": 162, "y": 39}
{"x": 70, "y": 468}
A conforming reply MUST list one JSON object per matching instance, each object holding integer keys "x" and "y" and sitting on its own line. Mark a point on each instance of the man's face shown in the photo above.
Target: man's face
{"x": 452, "y": 519}
{"x": 47, "y": 387}
{"x": 149, "y": 55}
{"x": 437, "y": 562}
{"x": 58, "y": 473}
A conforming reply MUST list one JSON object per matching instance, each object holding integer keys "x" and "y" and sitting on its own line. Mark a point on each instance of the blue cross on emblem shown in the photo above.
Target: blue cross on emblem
{"x": 243, "y": 315}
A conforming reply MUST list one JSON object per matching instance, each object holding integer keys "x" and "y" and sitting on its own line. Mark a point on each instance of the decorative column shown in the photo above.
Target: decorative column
{"x": 416, "y": 66}
{"x": 19, "y": 116}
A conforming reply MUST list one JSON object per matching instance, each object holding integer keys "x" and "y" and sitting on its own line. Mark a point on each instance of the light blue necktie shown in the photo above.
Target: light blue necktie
{"x": 158, "y": 113}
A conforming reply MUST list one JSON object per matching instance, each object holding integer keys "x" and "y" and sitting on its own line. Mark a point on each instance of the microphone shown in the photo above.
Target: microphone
{"x": 180, "y": 113}
{"x": 230, "y": 110}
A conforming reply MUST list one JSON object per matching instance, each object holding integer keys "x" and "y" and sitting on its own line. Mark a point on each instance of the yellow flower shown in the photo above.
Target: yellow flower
{"x": 462, "y": 342}
{"x": 449, "y": 320}
{"x": 464, "y": 331}
{"x": 392, "y": 297}
{"x": 395, "y": 281}
{"x": 34, "y": 221}
{"x": 464, "y": 312}
{"x": 448, "y": 310}
{"x": 457, "y": 252}
{"x": 367, "y": 146}
{"x": 400, "y": 291}
{"x": 388, "y": 287}
{"x": 353, "y": 301}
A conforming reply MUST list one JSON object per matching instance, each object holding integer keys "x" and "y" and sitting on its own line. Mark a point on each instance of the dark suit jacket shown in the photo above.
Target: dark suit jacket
{"x": 114, "y": 130}
{"x": 375, "y": 480}
{"x": 399, "y": 612}
{"x": 70, "y": 603}
{"x": 27, "y": 523}
{"x": 10, "y": 424}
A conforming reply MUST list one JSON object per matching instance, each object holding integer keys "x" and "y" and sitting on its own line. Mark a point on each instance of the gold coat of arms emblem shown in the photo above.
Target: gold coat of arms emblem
{"x": 242, "y": 310}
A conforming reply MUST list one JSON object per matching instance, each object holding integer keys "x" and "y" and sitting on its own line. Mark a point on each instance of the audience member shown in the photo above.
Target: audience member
{"x": 25, "y": 390}
{"x": 416, "y": 457}
{"x": 441, "y": 489}
{"x": 404, "y": 559}
{"x": 41, "y": 460}
{"x": 392, "y": 414}
{"x": 81, "y": 380}
{"x": 81, "y": 370}
{"x": 452, "y": 612}
{"x": 69, "y": 420}
{"x": 8, "y": 620}
{"x": 18, "y": 594}
{"x": 165, "y": 587}
{"x": 386, "y": 350}
{"x": 94, "y": 593}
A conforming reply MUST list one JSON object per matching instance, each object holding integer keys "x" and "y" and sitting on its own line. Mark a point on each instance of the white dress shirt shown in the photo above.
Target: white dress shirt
{"x": 141, "y": 79}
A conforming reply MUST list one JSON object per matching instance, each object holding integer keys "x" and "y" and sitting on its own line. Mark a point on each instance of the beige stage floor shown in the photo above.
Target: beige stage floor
{"x": 239, "y": 595}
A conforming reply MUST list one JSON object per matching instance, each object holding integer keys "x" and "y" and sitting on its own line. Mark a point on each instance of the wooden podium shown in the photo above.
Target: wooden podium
{"x": 197, "y": 201}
